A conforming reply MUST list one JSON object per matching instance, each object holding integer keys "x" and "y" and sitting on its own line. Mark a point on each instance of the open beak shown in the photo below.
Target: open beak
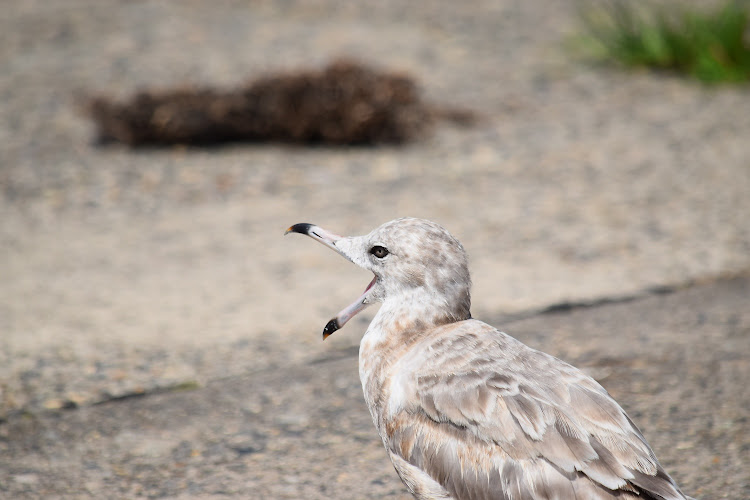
{"x": 329, "y": 239}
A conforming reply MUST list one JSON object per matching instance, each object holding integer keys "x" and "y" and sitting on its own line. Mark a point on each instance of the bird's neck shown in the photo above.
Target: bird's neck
{"x": 407, "y": 316}
{"x": 401, "y": 322}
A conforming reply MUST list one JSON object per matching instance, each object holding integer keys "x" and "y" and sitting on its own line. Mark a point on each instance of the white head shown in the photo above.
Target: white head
{"x": 412, "y": 260}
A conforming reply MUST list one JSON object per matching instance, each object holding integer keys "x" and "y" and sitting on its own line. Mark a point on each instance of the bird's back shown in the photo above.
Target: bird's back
{"x": 468, "y": 412}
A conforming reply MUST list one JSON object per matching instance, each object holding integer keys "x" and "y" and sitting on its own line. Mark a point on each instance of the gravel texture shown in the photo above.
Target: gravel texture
{"x": 676, "y": 362}
{"x": 126, "y": 273}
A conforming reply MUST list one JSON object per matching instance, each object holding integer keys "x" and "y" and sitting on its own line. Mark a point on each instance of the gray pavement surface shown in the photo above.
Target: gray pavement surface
{"x": 151, "y": 272}
{"x": 676, "y": 361}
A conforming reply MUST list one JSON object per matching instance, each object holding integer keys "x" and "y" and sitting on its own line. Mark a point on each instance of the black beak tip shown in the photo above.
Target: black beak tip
{"x": 331, "y": 327}
{"x": 301, "y": 228}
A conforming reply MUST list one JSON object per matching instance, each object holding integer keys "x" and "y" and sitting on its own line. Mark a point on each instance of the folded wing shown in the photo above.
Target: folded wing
{"x": 488, "y": 417}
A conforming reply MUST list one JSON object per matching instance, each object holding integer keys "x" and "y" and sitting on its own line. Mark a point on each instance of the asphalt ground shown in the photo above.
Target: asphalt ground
{"x": 676, "y": 361}
{"x": 161, "y": 276}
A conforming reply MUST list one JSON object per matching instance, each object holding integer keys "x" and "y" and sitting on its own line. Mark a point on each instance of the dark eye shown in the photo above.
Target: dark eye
{"x": 379, "y": 251}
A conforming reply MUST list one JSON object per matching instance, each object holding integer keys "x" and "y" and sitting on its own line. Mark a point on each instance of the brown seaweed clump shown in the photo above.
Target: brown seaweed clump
{"x": 345, "y": 103}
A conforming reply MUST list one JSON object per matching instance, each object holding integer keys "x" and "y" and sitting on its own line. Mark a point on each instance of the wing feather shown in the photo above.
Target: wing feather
{"x": 521, "y": 420}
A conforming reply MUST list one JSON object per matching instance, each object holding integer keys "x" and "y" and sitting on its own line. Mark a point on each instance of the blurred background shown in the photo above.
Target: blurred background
{"x": 129, "y": 271}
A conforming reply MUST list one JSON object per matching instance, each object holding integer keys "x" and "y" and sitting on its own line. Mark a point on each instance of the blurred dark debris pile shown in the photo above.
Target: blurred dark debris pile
{"x": 345, "y": 103}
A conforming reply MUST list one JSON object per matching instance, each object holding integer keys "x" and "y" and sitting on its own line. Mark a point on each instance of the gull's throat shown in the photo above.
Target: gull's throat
{"x": 348, "y": 312}
{"x": 372, "y": 283}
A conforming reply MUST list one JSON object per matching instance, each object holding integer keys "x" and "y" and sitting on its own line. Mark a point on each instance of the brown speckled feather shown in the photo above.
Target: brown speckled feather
{"x": 474, "y": 400}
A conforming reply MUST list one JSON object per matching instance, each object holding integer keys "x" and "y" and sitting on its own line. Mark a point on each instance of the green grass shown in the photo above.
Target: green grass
{"x": 710, "y": 44}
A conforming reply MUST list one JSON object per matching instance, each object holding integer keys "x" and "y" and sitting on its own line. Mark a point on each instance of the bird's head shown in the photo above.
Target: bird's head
{"x": 412, "y": 260}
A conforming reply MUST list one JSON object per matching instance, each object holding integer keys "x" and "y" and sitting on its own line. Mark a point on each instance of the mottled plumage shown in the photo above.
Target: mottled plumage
{"x": 467, "y": 412}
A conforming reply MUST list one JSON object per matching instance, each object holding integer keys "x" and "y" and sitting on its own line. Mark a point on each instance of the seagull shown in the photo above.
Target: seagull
{"x": 465, "y": 411}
